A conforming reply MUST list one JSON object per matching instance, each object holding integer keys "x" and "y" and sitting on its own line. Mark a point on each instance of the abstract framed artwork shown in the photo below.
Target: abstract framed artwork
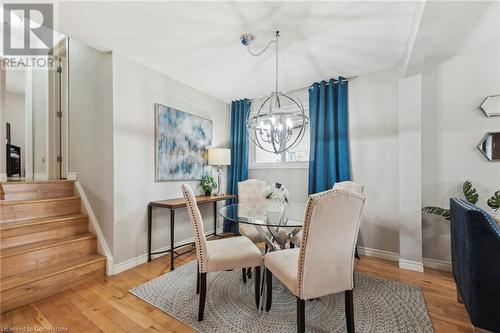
{"x": 181, "y": 144}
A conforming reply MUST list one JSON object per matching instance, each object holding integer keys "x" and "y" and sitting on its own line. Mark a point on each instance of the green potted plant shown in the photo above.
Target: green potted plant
{"x": 494, "y": 203}
{"x": 208, "y": 184}
{"x": 471, "y": 196}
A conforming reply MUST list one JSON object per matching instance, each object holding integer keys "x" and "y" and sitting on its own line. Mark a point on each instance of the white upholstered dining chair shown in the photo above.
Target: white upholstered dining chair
{"x": 324, "y": 264}
{"x": 219, "y": 255}
{"x": 347, "y": 185}
{"x": 250, "y": 195}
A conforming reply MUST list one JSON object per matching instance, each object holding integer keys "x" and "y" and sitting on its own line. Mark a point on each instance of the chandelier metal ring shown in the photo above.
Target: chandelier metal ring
{"x": 280, "y": 122}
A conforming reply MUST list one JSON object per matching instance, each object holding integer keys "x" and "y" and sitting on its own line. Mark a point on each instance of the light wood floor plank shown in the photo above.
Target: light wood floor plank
{"x": 105, "y": 305}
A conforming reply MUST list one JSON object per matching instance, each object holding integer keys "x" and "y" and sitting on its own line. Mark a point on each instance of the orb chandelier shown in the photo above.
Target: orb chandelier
{"x": 280, "y": 122}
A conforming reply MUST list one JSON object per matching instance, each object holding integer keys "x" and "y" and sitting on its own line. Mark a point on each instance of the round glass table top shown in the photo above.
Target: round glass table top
{"x": 284, "y": 216}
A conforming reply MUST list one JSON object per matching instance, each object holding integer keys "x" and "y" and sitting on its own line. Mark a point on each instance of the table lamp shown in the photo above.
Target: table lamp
{"x": 219, "y": 157}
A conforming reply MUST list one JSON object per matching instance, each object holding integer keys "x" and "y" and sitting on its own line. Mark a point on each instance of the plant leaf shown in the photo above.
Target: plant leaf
{"x": 437, "y": 211}
{"x": 470, "y": 192}
{"x": 494, "y": 201}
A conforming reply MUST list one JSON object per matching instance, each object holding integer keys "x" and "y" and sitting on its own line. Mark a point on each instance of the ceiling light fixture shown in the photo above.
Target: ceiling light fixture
{"x": 280, "y": 122}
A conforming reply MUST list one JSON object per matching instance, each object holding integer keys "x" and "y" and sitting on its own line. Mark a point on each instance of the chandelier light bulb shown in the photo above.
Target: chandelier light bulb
{"x": 289, "y": 123}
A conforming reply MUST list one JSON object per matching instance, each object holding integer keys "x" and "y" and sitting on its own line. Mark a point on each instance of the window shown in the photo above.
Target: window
{"x": 298, "y": 156}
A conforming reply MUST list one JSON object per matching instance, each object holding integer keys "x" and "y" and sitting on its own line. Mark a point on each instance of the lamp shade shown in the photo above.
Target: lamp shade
{"x": 219, "y": 156}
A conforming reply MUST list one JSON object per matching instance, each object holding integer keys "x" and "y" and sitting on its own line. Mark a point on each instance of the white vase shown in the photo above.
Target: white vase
{"x": 274, "y": 205}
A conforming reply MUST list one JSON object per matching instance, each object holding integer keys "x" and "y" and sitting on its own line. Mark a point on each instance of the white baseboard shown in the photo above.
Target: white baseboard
{"x": 411, "y": 265}
{"x": 41, "y": 176}
{"x": 71, "y": 176}
{"x": 3, "y": 177}
{"x": 102, "y": 245}
{"x": 131, "y": 263}
{"x": 441, "y": 265}
{"x": 380, "y": 254}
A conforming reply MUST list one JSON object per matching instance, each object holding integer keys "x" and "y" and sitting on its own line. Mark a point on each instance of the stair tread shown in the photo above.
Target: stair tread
{"x": 17, "y": 202}
{"x": 15, "y": 250}
{"x": 20, "y": 182}
{"x": 41, "y": 220}
{"x": 31, "y": 276}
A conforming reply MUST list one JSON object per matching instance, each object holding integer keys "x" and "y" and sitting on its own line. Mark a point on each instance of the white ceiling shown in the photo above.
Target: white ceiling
{"x": 197, "y": 43}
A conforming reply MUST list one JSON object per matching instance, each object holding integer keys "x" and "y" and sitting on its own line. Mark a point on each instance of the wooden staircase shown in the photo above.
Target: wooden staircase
{"x": 45, "y": 244}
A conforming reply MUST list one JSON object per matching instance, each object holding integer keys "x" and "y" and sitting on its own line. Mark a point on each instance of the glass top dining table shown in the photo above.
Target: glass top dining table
{"x": 291, "y": 215}
{"x": 276, "y": 225}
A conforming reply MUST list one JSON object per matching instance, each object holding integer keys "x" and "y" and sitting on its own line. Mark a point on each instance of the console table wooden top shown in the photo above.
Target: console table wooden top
{"x": 200, "y": 199}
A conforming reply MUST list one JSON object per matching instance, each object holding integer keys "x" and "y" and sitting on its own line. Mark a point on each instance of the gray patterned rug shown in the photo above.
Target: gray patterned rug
{"x": 379, "y": 305}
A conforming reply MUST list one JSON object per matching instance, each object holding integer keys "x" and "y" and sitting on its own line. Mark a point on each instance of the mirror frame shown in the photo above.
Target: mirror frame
{"x": 481, "y": 107}
{"x": 482, "y": 151}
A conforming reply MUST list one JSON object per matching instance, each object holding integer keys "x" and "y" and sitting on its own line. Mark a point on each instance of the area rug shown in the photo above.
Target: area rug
{"x": 379, "y": 305}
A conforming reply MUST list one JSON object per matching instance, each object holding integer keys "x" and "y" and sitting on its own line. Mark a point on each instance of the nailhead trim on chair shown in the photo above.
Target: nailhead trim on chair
{"x": 311, "y": 202}
{"x": 190, "y": 208}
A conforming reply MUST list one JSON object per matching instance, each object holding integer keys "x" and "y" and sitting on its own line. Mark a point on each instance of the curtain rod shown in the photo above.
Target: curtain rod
{"x": 287, "y": 92}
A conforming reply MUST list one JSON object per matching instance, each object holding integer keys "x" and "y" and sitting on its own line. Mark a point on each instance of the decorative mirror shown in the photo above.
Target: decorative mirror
{"x": 490, "y": 146}
{"x": 491, "y": 106}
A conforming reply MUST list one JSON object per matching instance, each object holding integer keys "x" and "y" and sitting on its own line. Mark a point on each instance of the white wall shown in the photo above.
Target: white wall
{"x": 410, "y": 172}
{"x": 3, "y": 93}
{"x": 452, "y": 128}
{"x": 40, "y": 109}
{"x": 14, "y": 107}
{"x": 91, "y": 129}
{"x": 135, "y": 90}
{"x": 373, "y": 130}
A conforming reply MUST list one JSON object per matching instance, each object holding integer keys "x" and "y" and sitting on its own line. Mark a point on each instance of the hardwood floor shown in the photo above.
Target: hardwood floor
{"x": 104, "y": 304}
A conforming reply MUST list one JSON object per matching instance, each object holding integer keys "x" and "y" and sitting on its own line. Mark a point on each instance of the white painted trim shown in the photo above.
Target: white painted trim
{"x": 131, "y": 263}
{"x": 411, "y": 265}
{"x": 41, "y": 176}
{"x": 441, "y": 265}
{"x": 3, "y": 176}
{"x": 28, "y": 124}
{"x": 380, "y": 254}
{"x": 72, "y": 176}
{"x": 281, "y": 165}
{"x": 102, "y": 245}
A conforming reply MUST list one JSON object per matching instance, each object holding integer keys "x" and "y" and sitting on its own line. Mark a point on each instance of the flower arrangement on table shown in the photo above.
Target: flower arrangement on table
{"x": 277, "y": 193}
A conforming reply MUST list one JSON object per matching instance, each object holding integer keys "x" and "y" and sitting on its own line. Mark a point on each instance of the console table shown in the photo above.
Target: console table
{"x": 172, "y": 205}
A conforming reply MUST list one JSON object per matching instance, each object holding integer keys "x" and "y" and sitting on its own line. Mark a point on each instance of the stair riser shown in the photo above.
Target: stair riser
{"x": 33, "y": 210}
{"x": 29, "y": 191}
{"x": 36, "y": 233}
{"x": 44, "y": 258}
{"x": 47, "y": 286}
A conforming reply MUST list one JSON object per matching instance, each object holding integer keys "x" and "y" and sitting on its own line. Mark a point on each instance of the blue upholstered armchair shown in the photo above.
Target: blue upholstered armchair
{"x": 475, "y": 255}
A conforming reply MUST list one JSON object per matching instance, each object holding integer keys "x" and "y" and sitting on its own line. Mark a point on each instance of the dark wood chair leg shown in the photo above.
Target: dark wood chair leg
{"x": 349, "y": 311}
{"x": 257, "y": 286}
{"x": 244, "y": 273}
{"x": 203, "y": 295}
{"x": 197, "y": 282}
{"x": 301, "y": 315}
{"x": 269, "y": 289}
{"x": 197, "y": 278}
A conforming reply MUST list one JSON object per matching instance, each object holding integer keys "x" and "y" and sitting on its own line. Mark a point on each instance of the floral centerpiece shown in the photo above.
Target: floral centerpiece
{"x": 277, "y": 196}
